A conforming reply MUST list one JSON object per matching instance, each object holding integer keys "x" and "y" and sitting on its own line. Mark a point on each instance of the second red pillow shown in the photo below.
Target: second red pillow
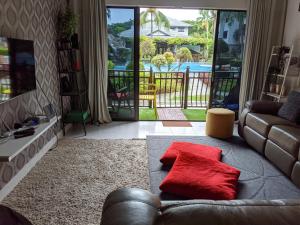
{"x": 171, "y": 153}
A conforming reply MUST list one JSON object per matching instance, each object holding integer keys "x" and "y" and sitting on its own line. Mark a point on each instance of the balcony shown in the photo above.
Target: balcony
{"x": 191, "y": 92}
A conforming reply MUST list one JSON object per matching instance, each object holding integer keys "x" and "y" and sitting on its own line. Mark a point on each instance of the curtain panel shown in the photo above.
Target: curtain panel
{"x": 265, "y": 28}
{"x": 95, "y": 47}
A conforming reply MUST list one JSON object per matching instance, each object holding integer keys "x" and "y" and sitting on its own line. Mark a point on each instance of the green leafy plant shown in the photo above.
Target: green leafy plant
{"x": 111, "y": 65}
{"x": 183, "y": 55}
{"x": 130, "y": 66}
{"x": 67, "y": 23}
{"x": 148, "y": 48}
{"x": 170, "y": 59}
{"x": 159, "y": 61}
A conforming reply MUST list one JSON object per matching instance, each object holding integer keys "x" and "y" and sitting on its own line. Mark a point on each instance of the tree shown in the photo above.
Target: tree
{"x": 183, "y": 55}
{"x": 170, "y": 59}
{"x": 206, "y": 21}
{"x": 130, "y": 66}
{"x": 158, "y": 61}
{"x": 156, "y": 17}
{"x": 240, "y": 17}
{"x": 147, "y": 48}
{"x": 111, "y": 65}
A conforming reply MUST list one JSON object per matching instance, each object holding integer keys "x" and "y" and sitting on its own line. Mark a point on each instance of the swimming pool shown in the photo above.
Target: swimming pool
{"x": 194, "y": 67}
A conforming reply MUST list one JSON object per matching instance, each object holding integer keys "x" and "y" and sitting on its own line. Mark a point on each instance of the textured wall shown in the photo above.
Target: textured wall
{"x": 33, "y": 20}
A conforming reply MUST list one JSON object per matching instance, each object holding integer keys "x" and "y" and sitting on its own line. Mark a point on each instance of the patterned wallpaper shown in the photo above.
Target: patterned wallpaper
{"x": 33, "y": 20}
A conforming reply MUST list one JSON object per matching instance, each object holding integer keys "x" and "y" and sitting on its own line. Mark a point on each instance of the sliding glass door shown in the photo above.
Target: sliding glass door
{"x": 123, "y": 51}
{"x": 228, "y": 59}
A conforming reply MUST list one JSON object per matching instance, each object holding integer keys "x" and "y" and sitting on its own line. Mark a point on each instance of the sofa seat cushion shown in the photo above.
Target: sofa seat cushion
{"x": 170, "y": 155}
{"x": 262, "y": 123}
{"x": 280, "y": 157}
{"x": 287, "y": 137}
{"x": 197, "y": 177}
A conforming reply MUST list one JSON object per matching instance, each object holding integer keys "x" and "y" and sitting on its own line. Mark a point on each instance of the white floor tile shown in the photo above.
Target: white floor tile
{"x": 135, "y": 130}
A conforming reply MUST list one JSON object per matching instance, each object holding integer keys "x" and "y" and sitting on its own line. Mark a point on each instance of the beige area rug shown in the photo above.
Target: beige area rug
{"x": 69, "y": 185}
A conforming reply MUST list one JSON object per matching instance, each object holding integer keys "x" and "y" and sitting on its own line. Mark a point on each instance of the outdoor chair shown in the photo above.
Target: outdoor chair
{"x": 148, "y": 93}
{"x": 118, "y": 94}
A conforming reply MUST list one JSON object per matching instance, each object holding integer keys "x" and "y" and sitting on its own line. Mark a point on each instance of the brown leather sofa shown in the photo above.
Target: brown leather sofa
{"x": 139, "y": 207}
{"x": 274, "y": 137}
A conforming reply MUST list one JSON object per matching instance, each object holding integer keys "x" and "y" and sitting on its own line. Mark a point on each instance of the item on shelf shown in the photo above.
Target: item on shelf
{"x": 278, "y": 88}
{"x": 66, "y": 85}
{"x": 24, "y": 133}
{"x": 31, "y": 121}
{"x": 49, "y": 111}
{"x": 272, "y": 88}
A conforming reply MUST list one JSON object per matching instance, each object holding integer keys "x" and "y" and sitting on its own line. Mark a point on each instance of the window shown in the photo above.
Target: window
{"x": 225, "y": 34}
{"x": 180, "y": 29}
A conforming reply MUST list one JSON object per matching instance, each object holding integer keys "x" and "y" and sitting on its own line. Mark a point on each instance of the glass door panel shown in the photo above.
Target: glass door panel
{"x": 122, "y": 26}
{"x": 228, "y": 59}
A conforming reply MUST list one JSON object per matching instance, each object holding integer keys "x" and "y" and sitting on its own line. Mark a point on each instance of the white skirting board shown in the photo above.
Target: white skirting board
{"x": 27, "y": 168}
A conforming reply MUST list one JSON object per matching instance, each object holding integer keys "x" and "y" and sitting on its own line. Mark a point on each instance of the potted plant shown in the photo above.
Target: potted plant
{"x": 67, "y": 23}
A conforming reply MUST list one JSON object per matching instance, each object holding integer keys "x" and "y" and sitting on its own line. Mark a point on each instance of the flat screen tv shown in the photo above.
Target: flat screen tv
{"x": 17, "y": 68}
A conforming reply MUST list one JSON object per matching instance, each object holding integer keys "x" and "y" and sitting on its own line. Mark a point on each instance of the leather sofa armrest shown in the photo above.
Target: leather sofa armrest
{"x": 263, "y": 107}
{"x": 129, "y": 206}
{"x": 242, "y": 122}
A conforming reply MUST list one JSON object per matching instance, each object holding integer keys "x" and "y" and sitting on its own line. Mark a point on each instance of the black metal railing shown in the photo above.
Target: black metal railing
{"x": 187, "y": 89}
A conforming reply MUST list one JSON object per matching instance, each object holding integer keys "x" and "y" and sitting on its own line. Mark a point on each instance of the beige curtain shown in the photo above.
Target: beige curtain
{"x": 94, "y": 43}
{"x": 265, "y": 28}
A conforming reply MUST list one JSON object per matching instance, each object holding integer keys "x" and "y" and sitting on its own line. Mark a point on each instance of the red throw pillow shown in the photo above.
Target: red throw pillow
{"x": 197, "y": 177}
{"x": 203, "y": 150}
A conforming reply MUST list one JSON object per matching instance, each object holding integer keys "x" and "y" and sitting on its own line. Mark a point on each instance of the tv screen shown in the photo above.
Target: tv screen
{"x": 17, "y": 68}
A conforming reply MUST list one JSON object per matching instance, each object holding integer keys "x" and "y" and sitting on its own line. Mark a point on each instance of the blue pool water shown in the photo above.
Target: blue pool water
{"x": 194, "y": 66}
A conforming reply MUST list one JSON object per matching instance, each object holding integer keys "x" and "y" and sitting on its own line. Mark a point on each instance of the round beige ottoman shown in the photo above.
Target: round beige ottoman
{"x": 220, "y": 123}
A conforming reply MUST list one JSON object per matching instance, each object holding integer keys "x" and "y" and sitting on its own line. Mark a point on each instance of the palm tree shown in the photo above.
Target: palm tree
{"x": 207, "y": 21}
{"x": 156, "y": 17}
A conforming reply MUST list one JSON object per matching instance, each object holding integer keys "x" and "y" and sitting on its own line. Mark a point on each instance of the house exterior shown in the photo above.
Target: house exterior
{"x": 177, "y": 29}
{"x": 227, "y": 31}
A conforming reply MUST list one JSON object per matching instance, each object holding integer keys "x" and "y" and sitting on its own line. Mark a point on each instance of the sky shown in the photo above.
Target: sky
{"x": 123, "y": 15}
{"x": 180, "y": 14}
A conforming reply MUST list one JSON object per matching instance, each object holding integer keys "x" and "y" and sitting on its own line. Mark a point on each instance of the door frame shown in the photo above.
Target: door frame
{"x": 217, "y": 32}
{"x": 136, "y": 58}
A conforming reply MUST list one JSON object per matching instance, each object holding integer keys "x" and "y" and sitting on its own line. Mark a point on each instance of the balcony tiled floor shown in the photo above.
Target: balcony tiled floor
{"x": 170, "y": 114}
{"x": 135, "y": 130}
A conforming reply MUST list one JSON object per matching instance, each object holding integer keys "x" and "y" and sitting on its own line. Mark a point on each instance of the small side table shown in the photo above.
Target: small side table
{"x": 220, "y": 123}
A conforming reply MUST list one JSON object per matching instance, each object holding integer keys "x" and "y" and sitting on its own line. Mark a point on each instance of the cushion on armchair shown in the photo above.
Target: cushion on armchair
{"x": 263, "y": 107}
{"x": 171, "y": 153}
{"x": 198, "y": 177}
{"x": 291, "y": 109}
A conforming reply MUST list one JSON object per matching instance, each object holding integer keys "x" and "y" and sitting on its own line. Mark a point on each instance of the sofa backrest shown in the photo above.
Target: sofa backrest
{"x": 136, "y": 206}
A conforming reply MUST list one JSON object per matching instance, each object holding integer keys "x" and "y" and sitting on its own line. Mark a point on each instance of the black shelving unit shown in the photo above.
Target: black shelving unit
{"x": 73, "y": 83}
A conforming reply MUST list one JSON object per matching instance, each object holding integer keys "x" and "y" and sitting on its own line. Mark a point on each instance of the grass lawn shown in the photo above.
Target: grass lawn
{"x": 147, "y": 114}
{"x": 3, "y": 51}
{"x": 195, "y": 114}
